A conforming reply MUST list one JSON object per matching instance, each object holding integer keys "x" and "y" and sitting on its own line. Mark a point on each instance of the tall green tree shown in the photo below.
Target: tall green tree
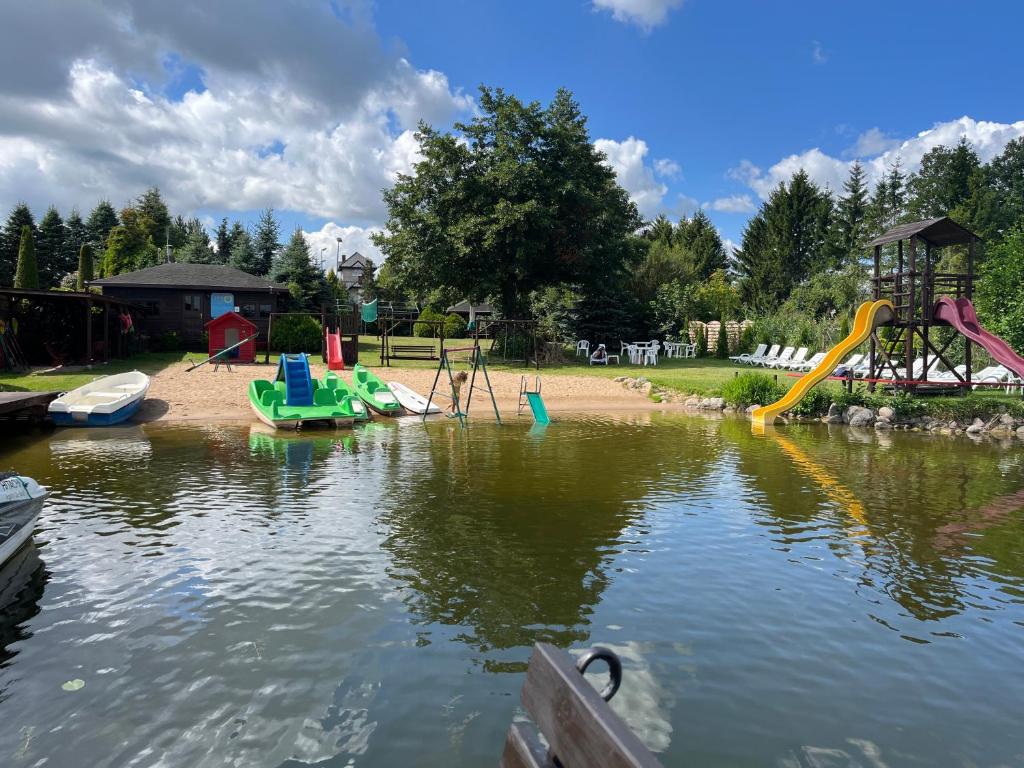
{"x": 157, "y": 218}
{"x": 196, "y": 248}
{"x": 1000, "y": 292}
{"x": 50, "y": 249}
{"x": 661, "y": 229}
{"x": 223, "y": 242}
{"x": 266, "y": 242}
{"x": 887, "y": 207}
{"x": 789, "y": 237}
{"x": 27, "y": 274}
{"x": 700, "y": 238}
{"x": 1006, "y": 175}
{"x": 85, "y": 268}
{"x": 10, "y": 241}
{"x": 521, "y": 200}
{"x": 129, "y": 245}
{"x": 943, "y": 181}
{"x": 243, "y": 253}
{"x": 294, "y": 267}
{"x": 851, "y": 212}
{"x": 368, "y": 280}
{"x": 102, "y": 219}
{"x": 75, "y": 235}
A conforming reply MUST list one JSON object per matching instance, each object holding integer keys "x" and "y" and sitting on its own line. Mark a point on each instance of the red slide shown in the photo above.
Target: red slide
{"x": 335, "y": 360}
{"x": 961, "y": 315}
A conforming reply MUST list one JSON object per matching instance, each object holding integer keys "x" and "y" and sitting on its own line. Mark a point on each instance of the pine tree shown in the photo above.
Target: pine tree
{"x": 943, "y": 181}
{"x": 1006, "y": 177}
{"x": 85, "y": 273}
{"x": 722, "y": 344}
{"x": 700, "y": 238}
{"x": 50, "y": 249}
{"x": 223, "y": 242}
{"x": 102, "y": 219}
{"x": 243, "y": 254}
{"x": 74, "y": 236}
{"x": 305, "y": 282}
{"x": 27, "y": 275}
{"x": 10, "y": 241}
{"x": 851, "y": 212}
{"x": 196, "y": 249}
{"x": 368, "y": 281}
{"x": 266, "y": 242}
{"x": 157, "y": 219}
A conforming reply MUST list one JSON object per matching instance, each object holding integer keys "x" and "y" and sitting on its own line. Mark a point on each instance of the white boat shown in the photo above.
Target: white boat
{"x": 411, "y": 400}
{"x": 21, "y": 501}
{"x": 100, "y": 403}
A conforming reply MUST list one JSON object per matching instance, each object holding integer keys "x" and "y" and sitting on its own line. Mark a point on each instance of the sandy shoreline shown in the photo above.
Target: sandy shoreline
{"x": 209, "y": 395}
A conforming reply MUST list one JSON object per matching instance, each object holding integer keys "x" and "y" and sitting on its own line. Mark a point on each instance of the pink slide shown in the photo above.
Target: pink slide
{"x": 961, "y": 315}
{"x": 335, "y": 360}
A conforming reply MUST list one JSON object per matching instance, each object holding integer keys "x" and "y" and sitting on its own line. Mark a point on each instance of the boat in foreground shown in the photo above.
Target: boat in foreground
{"x": 374, "y": 392}
{"x": 21, "y": 501}
{"x": 295, "y": 398}
{"x": 345, "y": 390}
{"x": 107, "y": 400}
{"x": 412, "y": 400}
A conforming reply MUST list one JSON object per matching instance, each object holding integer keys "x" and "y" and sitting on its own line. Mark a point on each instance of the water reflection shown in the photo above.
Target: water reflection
{"x": 22, "y": 582}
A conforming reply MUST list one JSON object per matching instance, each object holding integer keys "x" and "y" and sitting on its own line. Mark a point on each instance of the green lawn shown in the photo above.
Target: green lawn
{"x": 61, "y": 381}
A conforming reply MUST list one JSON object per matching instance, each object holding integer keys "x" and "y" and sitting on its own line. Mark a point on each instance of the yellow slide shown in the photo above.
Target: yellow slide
{"x": 870, "y": 315}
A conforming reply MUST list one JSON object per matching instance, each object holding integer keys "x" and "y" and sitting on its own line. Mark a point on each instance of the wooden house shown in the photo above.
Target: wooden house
{"x": 184, "y": 298}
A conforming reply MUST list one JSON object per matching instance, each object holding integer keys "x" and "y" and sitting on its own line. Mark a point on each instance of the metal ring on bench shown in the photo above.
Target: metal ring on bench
{"x": 614, "y": 668}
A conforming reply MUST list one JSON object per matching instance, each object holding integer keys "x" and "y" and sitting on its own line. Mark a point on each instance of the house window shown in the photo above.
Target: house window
{"x": 265, "y": 310}
{"x": 248, "y": 310}
{"x": 193, "y": 302}
{"x": 153, "y": 308}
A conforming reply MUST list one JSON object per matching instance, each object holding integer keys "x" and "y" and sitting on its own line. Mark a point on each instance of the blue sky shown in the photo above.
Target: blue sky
{"x": 309, "y": 106}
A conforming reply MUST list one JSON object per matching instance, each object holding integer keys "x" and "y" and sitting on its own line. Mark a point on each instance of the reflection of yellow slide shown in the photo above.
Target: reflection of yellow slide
{"x": 870, "y": 315}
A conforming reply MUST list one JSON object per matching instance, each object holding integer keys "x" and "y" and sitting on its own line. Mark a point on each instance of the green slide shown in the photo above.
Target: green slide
{"x": 540, "y": 411}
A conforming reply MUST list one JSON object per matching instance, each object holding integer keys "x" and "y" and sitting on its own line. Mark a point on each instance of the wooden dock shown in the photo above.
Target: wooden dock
{"x": 24, "y": 406}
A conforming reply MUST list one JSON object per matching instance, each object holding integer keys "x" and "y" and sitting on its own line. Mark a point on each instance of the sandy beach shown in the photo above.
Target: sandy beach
{"x": 204, "y": 393}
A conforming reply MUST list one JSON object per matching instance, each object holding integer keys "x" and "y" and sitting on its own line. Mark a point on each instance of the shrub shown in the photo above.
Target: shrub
{"x": 722, "y": 345}
{"x": 815, "y": 403}
{"x": 296, "y": 333}
{"x": 747, "y": 337}
{"x": 426, "y": 330}
{"x": 454, "y": 327}
{"x": 750, "y": 388}
{"x": 167, "y": 342}
{"x": 702, "y": 342}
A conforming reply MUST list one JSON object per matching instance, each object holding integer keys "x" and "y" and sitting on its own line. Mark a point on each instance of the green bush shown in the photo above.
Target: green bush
{"x": 167, "y": 342}
{"x": 454, "y": 327}
{"x": 702, "y": 343}
{"x": 296, "y": 333}
{"x": 426, "y": 330}
{"x": 722, "y": 345}
{"x": 815, "y": 403}
{"x": 746, "y": 340}
{"x": 750, "y": 388}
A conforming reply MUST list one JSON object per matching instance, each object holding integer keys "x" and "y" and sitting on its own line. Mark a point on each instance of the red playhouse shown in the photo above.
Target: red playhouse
{"x": 228, "y": 330}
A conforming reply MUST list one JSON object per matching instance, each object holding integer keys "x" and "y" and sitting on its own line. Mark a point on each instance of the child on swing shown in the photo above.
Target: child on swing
{"x": 457, "y": 381}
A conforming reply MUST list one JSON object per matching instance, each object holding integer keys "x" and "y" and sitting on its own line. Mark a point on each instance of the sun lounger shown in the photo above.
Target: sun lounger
{"x": 771, "y": 353}
{"x": 769, "y": 362}
{"x": 798, "y": 357}
{"x": 810, "y": 363}
{"x": 746, "y": 357}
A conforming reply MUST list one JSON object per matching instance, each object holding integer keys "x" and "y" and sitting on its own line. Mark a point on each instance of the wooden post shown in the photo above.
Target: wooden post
{"x": 88, "y": 333}
{"x": 911, "y": 316}
{"x": 270, "y": 327}
{"x": 877, "y": 296}
{"x": 969, "y": 289}
{"x": 106, "y": 332}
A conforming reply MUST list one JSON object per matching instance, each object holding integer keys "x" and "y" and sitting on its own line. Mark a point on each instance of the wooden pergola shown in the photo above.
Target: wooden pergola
{"x": 87, "y": 302}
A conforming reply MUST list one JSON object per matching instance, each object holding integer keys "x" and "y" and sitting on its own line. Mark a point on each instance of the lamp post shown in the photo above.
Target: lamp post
{"x": 322, "y": 258}
{"x": 337, "y": 257}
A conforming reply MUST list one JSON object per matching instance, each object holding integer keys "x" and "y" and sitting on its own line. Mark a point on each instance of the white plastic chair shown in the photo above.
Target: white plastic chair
{"x": 770, "y": 354}
{"x": 651, "y": 354}
{"x": 784, "y": 355}
{"x": 811, "y": 363}
{"x": 582, "y": 348}
{"x": 747, "y": 356}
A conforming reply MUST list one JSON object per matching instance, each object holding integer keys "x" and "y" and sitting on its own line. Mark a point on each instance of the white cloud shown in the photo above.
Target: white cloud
{"x": 667, "y": 169}
{"x": 626, "y": 158}
{"x": 872, "y": 142}
{"x": 646, "y": 14}
{"x": 818, "y": 53}
{"x": 988, "y": 139}
{"x": 732, "y": 204}
{"x": 353, "y": 239}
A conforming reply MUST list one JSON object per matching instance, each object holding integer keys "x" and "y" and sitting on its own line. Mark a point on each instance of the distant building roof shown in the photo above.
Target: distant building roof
{"x": 355, "y": 260}
{"x": 940, "y": 232}
{"x": 182, "y": 275}
{"x": 463, "y": 308}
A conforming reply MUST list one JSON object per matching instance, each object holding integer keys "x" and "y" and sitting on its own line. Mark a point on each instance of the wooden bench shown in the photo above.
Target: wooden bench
{"x": 574, "y": 718}
{"x": 413, "y": 352}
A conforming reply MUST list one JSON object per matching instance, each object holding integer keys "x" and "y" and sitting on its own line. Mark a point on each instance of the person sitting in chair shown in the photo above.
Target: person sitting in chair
{"x": 600, "y": 356}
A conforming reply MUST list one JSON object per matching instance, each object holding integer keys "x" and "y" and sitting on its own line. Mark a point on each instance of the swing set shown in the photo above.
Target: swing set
{"x": 479, "y": 362}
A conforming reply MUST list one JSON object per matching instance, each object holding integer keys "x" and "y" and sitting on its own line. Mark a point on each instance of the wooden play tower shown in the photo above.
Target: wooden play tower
{"x": 914, "y": 286}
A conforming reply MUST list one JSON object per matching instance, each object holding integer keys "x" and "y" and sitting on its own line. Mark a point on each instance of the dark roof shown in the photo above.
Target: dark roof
{"x": 202, "y": 276}
{"x": 479, "y": 309}
{"x": 232, "y": 315}
{"x": 939, "y": 232}
{"x": 348, "y": 260}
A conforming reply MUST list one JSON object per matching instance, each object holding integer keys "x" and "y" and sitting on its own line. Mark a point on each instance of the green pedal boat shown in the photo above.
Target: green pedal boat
{"x": 375, "y": 393}
{"x": 296, "y": 398}
{"x": 344, "y": 389}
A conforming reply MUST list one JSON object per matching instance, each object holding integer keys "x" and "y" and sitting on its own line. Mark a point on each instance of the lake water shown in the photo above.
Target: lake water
{"x": 370, "y": 597}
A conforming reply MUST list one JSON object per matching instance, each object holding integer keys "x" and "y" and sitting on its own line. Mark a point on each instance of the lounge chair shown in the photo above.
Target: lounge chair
{"x": 798, "y": 357}
{"x": 949, "y": 377}
{"x": 746, "y": 357}
{"x": 779, "y": 358}
{"x": 850, "y": 364}
{"x": 771, "y": 353}
{"x": 810, "y": 363}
